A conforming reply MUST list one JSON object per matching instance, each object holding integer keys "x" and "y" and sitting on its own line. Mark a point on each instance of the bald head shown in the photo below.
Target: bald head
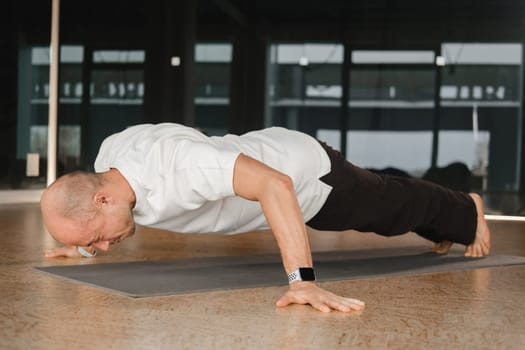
{"x": 67, "y": 205}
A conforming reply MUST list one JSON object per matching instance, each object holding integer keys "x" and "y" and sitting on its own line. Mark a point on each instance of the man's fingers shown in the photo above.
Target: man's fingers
{"x": 347, "y": 304}
{"x": 321, "y": 307}
{"x": 319, "y": 299}
{"x": 339, "y": 304}
{"x": 355, "y": 304}
{"x": 69, "y": 252}
{"x": 284, "y": 301}
{"x": 53, "y": 253}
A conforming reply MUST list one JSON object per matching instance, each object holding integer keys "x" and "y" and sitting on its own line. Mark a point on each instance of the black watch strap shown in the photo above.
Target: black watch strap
{"x": 302, "y": 274}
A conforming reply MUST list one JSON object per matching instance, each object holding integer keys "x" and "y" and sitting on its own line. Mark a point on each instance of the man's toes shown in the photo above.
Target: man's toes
{"x": 468, "y": 251}
{"x": 442, "y": 247}
{"x": 476, "y": 250}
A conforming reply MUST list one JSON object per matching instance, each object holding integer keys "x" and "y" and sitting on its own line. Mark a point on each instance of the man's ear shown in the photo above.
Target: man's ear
{"x": 101, "y": 198}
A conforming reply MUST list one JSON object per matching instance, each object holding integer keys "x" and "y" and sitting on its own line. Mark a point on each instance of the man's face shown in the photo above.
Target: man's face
{"x": 113, "y": 225}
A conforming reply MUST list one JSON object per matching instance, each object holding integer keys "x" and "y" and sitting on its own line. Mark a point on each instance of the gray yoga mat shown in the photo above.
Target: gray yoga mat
{"x": 155, "y": 278}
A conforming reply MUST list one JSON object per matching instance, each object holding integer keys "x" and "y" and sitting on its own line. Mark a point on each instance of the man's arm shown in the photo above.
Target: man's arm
{"x": 274, "y": 191}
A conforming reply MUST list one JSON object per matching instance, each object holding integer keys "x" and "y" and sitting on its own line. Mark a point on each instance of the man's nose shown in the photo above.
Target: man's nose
{"x": 102, "y": 245}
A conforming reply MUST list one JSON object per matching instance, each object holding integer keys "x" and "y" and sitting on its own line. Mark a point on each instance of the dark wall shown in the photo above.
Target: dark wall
{"x": 8, "y": 87}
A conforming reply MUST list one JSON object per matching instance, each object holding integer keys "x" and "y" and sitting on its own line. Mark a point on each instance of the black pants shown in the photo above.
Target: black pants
{"x": 391, "y": 205}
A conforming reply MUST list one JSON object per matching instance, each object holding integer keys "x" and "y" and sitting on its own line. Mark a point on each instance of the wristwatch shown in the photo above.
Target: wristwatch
{"x": 85, "y": 253}
{"x": 302, "y": 274}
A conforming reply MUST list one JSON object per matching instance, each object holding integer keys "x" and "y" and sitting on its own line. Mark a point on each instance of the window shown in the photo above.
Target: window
{"x": 304, "y": 86}
{"x": 212, "y": 88}
{"x": 33, "y": 85}
{"x": 391, "y": 110}
{"x": 480, "y": 119}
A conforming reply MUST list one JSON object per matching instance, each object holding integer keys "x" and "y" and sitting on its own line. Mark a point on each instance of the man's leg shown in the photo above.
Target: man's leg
{"x": 390, "y": 205}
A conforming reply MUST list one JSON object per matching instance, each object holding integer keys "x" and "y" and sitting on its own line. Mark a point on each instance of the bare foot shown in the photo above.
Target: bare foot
{"x": 442, "y": 247}
{"x": 481, "y": 245}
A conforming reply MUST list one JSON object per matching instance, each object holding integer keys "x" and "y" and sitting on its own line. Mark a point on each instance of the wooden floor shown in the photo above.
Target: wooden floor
{"x": 478, "y": 309}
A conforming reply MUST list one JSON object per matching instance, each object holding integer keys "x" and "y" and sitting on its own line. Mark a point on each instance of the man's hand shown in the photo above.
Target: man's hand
{"x": 66, "y": 251}
{"x": 309, "y": 293}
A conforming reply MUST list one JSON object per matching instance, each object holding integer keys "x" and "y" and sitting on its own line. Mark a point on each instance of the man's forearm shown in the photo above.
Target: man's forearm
{"x": 281, "y": 208}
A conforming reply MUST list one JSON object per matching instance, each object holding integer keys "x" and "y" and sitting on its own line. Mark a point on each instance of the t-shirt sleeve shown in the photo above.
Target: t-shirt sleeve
{"x": 203, "y": 172}
{"x": 103, "y": 156}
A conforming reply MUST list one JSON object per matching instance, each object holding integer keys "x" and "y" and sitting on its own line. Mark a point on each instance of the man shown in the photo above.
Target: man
{"x": 175, "y": 178}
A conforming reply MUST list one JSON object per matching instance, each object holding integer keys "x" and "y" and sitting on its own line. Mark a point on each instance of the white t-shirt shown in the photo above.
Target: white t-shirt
{"x": 183, "y": 180}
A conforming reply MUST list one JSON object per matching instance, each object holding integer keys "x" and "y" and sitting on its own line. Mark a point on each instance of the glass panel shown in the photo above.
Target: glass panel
{"x": 481, "y": 107}
{"x": 29, "y": 168}
{"x": 391, "y": 111}
{"x": 304, "y": 86}
{"x": 70, "y": 98}
{"x": 391, "y": 87}
{"x": 70, "y": 109}
{"x": 116, "y": 93}
{"x": 119, "y": 56}
{"x": 212, "y": 88}
{"x": 482, "y": 53}
{"x": 121, "y": 87}
{"x": 116, "y": 102}
{"x": 392, "y": 57}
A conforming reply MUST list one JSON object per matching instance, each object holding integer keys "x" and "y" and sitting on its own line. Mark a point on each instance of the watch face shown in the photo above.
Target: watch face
{"x": 307, "y": 274}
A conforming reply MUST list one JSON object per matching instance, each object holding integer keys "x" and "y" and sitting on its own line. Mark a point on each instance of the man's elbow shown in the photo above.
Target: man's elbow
{"x": 282, "y": 183}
